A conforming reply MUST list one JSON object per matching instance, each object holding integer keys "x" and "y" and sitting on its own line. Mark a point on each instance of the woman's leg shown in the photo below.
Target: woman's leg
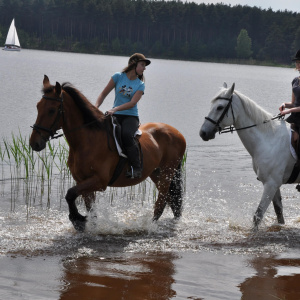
{"x": 129, "y": 127}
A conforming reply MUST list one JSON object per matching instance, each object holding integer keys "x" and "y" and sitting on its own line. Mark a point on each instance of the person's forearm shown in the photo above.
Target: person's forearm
{"x": 124, "y": 106}
{"x": 100, "y": 100}
{"x": 288, "y": 105}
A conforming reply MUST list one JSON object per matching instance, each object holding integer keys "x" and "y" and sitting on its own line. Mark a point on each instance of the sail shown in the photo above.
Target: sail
{"x": 12, "y": 38}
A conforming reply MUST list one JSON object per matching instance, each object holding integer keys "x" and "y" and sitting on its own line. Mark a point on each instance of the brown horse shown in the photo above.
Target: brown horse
{"x": 93, "y": 157}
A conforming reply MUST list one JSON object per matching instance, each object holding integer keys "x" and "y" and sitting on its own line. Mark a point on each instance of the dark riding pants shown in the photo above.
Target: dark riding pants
{"x": 129, "y": 126}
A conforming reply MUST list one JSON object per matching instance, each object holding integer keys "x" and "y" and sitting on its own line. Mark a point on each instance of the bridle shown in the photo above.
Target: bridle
{"x": 52, "y": 131}
{"x": 231, "y": 127}
{"x": 225, "y": 111}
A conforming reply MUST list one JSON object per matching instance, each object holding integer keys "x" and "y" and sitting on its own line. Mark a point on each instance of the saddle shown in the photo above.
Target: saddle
{"x": 295, "y": 141}
{"x": 122, "y": 153}
{"x": 295, "y": 149}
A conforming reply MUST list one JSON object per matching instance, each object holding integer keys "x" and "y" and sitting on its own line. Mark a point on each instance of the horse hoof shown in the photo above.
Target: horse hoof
{"x": 177, "y": 218}
{"x": 254, "y": 228}
{"x": 256, "y": 221}
{"x": 78, "y": 223}
{"x": 155, "y": 219}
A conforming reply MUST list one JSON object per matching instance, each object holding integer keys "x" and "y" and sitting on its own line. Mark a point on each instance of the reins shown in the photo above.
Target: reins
{"x": 231, "y": 128}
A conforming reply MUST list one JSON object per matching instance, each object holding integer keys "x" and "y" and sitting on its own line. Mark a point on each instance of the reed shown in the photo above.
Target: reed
{"x": 34, "y": 177}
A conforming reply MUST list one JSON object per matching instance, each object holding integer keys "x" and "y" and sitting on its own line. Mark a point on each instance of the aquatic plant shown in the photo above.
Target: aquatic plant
{"x": 40, "y": 178}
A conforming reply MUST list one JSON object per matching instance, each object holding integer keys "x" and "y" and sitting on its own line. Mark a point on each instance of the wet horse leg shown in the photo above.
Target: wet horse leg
{"x": 89, "y": 200}
{"x": 86, "y": 188}
{"x": 175, "y": 193}
{"x": 75, "y": 217}
{"x": 277, "y": 203}
{"x": 161, "y": 201}
{"x": 163, "y": 182}
{"x": 268, "y": 194}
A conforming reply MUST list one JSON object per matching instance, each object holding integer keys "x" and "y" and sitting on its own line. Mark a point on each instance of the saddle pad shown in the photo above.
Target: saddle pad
{"x": 116, "y": 137}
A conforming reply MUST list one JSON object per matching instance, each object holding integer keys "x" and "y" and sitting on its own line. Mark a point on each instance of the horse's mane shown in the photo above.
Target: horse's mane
{"x": 92, "y": 117}
{"x": 257, "y": 114}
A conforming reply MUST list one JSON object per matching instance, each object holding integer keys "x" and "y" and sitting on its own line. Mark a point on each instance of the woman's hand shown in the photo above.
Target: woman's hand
{"x": 111, "y": 111}
{"x": 282, "y": 107}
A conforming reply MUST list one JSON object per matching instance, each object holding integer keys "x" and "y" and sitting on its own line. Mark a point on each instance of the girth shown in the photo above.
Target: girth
{"x": 295, "y": 174}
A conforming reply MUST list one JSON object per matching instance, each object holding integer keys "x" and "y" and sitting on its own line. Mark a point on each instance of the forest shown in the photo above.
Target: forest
{"x": 157, "y": 28}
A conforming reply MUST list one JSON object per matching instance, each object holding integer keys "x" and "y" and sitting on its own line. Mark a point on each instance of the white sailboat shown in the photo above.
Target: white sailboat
{"x": 12, "y": 42}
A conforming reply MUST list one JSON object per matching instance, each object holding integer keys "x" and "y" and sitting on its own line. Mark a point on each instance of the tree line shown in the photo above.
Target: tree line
{"x": 157, "y": 28}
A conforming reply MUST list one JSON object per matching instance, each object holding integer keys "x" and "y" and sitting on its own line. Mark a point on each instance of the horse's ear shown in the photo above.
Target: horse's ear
{"x": 232, "y": 89}
{"x": 57, "y": 88}
{"x": 46, "y": 81}
{"x": 225, "y": 85}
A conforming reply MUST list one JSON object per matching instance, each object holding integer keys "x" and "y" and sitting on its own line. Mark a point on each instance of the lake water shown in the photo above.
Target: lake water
{"x": 211, "y": 253}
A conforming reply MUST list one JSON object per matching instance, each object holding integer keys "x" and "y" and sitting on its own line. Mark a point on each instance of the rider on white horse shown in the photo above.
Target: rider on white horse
{"x": 293, "y": 107}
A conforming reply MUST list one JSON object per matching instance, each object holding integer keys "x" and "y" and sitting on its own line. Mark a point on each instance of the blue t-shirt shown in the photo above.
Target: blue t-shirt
{"x": 124, "y": 91}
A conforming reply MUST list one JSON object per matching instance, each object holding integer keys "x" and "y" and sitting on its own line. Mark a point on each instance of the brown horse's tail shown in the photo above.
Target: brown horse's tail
{"x": 176, "y": 192}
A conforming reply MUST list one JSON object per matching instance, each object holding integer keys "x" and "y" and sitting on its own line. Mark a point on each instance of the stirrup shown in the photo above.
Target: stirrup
{"x": 133, "y": 173}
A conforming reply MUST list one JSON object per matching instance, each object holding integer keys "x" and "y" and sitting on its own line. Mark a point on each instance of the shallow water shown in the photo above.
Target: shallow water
{"x": 211, "y": 253}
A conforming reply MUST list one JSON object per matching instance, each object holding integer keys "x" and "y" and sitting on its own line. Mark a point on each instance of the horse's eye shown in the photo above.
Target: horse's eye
{"x": 51, "y": 112}
{"x": 220, "y": 107}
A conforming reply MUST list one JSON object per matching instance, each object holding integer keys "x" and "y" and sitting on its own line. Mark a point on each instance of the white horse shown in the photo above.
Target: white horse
{"x": 266, "y": 139}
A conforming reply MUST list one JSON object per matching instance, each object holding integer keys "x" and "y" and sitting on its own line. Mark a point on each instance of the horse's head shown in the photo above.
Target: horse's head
{"x": 220, "y": 114}
{"x": 50, "y": 115}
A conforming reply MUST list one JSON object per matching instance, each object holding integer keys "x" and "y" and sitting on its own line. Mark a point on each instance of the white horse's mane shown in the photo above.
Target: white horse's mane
{"x": 257, "y": 114}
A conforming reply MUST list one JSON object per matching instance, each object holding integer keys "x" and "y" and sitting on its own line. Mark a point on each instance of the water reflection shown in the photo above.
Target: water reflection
{"x": 275, "y": 278}
{"x": 127, "y": 277}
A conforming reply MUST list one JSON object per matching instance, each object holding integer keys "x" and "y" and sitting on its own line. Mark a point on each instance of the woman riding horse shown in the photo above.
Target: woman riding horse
{"x": 129, "y": 87}
{"x": 293, "y": 107}
{"x": 93, "y": 158}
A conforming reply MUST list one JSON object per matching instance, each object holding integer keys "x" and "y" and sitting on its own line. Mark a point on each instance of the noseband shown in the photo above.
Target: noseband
{"x": 225, "y": 111}
{"x": 52, "y": 131}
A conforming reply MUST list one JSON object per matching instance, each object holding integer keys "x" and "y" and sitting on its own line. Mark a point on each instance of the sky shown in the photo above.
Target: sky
{"x": 290, "y": 5}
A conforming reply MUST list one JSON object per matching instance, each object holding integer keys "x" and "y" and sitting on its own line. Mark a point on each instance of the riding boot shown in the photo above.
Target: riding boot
{"x": 133, "y": 155}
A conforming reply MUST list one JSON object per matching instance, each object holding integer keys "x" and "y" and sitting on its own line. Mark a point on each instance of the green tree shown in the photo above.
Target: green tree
{"x": 296, "y": 42}
{"x": 275, "y": 46}
{"x": 244, "y": 43}
{"x": 116, "y": 46}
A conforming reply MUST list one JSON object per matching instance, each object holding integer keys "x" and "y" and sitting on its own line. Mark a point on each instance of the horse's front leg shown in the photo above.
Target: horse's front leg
{"x": 85, "y": 188}
{"x": 277, "y": 203}
{"x": 75, "y": 217}
{"x": 267, "y": 196}
{"x": 89, "y": 200}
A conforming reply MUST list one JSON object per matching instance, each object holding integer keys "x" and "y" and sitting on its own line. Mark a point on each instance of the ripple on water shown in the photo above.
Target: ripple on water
{"x": 217, "y": 216}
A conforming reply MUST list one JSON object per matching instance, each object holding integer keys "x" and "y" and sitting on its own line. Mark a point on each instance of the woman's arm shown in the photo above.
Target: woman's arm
{"x": 105, "y": 92}
{"x": 135, "y": 99}
{"x": 290, "y": 105}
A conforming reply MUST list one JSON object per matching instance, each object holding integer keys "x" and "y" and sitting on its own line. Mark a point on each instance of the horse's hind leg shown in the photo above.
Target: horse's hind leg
{"x": 277, "y": 203}
{"x": 163, "y": 187}
{"x": 175, "y": 192}
{"x": 170, "y": 191}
